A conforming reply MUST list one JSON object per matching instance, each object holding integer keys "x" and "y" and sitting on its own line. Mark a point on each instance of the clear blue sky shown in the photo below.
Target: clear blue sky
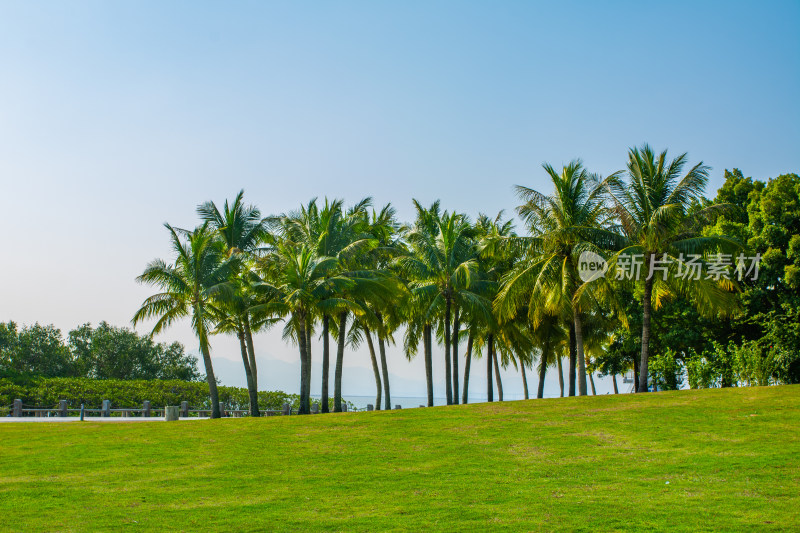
{"x": 118, "y": 116}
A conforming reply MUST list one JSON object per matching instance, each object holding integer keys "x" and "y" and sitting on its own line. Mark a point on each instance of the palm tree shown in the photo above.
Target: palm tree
{"x": 549, "y": 338}
{"x": 329, "y": 231}
{"x": 562, "y": 226}
{"x": 242, "y": 230}
{"x": 652, "y": 208}
{"x": 297, "y": 284}
{"x": 440, "y": 267}
{"x": 200, "y": 273}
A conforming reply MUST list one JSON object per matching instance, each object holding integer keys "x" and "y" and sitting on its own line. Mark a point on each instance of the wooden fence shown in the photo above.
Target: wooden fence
{"x": 146, "y": 411}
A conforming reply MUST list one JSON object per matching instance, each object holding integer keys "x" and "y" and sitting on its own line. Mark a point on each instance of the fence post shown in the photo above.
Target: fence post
{"x": 287, "y": 409}
{"x": 81, "y": 412}
{"x": 370, "y": 407}
{"x": 17, "y": 408}
{"x": 171, "y": 413}
{"x": 62, "y": 408}
{"x": 106, "y": 411}
{"x": 146, "y": 408}
{"x": 185, "y": 409}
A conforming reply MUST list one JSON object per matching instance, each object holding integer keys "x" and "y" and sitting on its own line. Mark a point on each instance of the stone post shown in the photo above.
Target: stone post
{"x": 287, "y": 409}
{"x": 370, "y": 407}
{"x": 62, "y": 408}
{"x": 146, "y": 409}
{"x": 315, "y": 408}
{"x": 17, "y": 408}
{"x": 398, "y": 406}
{"x": 106, "y": 409}
{"x": 185, "y": 409}
{"x": 171, "y": 413}
{"x": 344, "y": 407}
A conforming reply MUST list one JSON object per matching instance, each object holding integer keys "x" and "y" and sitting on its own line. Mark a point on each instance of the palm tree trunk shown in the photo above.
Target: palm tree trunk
{"x": 580, "y": 356}
{"x": 374, "y": 368}
{"x": 251, "y": 353}
{"x": 251, "y": 390}
{"x": 456, "y": 326}
{"x": 524, "y": 379}
{"x": 302, "y": 339}
{"x": 542, "y": 372}
{"x": 573, "y": 358}
{"x": 489, "y": 385}
{"x": 614, "y": 381}
{"x": 337, "y": 378}
{"x": 497, "y": 376}
{"x": 428, "y": 343}
{"x": 591, "y": 381}
{"x": 326, "y": 362}
{"x": 448, "y": 369}
{"x": 307, "y": 375}
{"x": 382, "y": 349}
{"x": 646, "y": 301}
{"x": 213, "y": 393}
{"x": 465, "y": 393}
{"x": 560, "y": 376}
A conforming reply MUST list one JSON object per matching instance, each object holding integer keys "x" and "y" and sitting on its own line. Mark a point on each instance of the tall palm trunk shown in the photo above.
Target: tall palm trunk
{"x": 573, "y": 358}
{"x": 326, "y": 362}
{"x": 302, "y": 340}
{"x": 497, "y": 376}
{"x": 560, "y": 376}
{"x": 337, "y": 378}
{"x": 542, "y": 373}
{"x": 489, "y": 385}
{"x": 591, "y": 381}
{"x": 374, "y": 368}
{"x": 456, "y": 326}
{"x": 251, "y": 352}
{"x": 614, "y": 381}
{"x": 251, "y": 390}
{"x": 646, "y": 302}
{"x": 202, "y": 336}
{"x": 524, "y": 379}
{"x": 428, "y": 346}
{"x": 448, "y": 378}
{"x": 307, "y": 375}
{"x": 385, "y": 369}
{"x": 580, "y": 356}
{"x": 465, "y": 394}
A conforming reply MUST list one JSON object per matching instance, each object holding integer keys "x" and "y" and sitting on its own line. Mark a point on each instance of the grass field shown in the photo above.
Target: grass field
{"x": 688, "y": 460}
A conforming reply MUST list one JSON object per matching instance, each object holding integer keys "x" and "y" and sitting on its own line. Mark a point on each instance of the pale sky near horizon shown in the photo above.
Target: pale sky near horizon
{"x": 118, "y": 116}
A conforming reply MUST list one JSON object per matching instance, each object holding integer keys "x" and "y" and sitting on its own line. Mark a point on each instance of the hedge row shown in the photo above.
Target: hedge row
{"x": 47, "y": 392}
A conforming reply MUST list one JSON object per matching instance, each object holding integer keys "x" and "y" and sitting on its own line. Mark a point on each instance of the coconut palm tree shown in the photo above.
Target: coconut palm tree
{"x": 241, "y": 228}
{"x": 563, "y": 225}
{"x": 330, "y": 231}
{"x": 651, "y": 203}
{"x": 200, "y": 273}
{"x": 297, "y": 284}
{"x": 440, "y": 266}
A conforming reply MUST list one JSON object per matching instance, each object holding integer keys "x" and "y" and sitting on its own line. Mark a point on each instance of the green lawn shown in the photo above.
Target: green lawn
{"x": 688, "y": 460}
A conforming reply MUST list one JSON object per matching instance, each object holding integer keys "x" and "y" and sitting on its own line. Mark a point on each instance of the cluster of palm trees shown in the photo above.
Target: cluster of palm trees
{"x": 357, "y": 275}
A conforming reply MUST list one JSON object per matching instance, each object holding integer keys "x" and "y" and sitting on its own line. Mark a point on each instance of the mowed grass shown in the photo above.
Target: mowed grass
{"x": 687, "y": 460}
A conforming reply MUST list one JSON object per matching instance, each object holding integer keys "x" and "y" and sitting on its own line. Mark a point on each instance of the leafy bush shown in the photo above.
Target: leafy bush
{"x": 47, "y": 392}
{"x": 666, "y": 371}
